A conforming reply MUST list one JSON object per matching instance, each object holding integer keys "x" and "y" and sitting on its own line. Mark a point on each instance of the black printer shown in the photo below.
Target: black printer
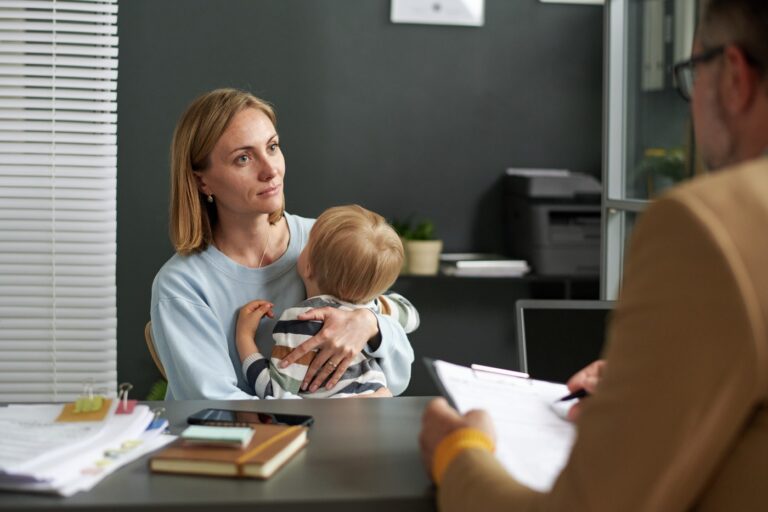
{"x": 553, "y": 220}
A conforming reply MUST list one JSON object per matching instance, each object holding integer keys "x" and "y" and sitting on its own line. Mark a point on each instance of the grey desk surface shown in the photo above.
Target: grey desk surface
{"x": 362, "y": 455}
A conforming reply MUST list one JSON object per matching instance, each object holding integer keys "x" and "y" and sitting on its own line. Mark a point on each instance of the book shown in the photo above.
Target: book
{"x": 233, "y": 437}
{"x": 270, "y": 448}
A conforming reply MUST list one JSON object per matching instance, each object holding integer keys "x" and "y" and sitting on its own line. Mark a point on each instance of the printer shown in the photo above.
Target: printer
{"x": 553, "y": 220}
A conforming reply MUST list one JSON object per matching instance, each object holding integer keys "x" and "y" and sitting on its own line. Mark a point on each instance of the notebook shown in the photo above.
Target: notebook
{"x": 269, "y": 449}
{"x": 557, "y": 338}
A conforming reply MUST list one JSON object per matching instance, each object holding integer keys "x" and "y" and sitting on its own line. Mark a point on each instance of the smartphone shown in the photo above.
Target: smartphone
{"x": 229, "y": 418}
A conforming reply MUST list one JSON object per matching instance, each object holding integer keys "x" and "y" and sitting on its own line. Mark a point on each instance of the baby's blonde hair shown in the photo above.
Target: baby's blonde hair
{"x": 353, "y": 253}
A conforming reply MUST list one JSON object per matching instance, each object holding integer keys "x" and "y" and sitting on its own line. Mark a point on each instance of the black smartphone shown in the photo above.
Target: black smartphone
{"x": 230, "y": 418}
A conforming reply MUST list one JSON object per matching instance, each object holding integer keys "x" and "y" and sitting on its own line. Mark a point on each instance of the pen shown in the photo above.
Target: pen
{"x": 579, "y": 393}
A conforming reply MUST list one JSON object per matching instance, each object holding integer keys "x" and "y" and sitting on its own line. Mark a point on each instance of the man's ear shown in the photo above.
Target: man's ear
{"x": 741, "y": 80}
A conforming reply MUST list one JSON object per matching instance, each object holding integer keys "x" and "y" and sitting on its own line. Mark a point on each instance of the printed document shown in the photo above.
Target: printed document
{"x": 533, "y": 438}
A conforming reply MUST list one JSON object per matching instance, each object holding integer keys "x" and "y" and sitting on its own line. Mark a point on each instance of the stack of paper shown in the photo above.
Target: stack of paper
{"x": 482, "y": 265}
{"x": 40, "y": 454}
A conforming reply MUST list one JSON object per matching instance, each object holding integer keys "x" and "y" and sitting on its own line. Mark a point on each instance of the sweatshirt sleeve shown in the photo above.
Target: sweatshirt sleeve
{"x": 680, "y": 382}
{"x": 394, "y": 354}
{"x": 398, "y": 307}
{"x": 194, "y": 352}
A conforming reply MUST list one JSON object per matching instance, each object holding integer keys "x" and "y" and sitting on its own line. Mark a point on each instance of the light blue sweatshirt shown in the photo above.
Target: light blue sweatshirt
{"x": 195, "y": 301}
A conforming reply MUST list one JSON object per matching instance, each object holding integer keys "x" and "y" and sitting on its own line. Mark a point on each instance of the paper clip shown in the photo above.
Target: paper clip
{"x": 125, "y": 406}
{"x": 499, "y": 371}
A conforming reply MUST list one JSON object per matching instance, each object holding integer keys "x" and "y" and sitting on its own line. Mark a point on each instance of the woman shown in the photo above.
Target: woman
{"x": 235, "y": 243}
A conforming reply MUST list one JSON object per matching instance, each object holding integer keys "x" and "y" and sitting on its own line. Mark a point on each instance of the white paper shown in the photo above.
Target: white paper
{"x": 39, "y": 455}
{"x": 533, "y": 439}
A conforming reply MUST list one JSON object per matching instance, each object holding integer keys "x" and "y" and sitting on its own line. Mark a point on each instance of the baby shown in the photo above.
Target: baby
{"x": 351, "y": 258}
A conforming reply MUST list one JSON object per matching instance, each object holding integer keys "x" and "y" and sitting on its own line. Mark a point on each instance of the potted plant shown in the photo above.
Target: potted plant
{"x": 422, "y": 250}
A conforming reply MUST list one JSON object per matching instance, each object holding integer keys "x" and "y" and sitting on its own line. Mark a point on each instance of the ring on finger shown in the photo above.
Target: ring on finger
{"x": 331, "y": 364}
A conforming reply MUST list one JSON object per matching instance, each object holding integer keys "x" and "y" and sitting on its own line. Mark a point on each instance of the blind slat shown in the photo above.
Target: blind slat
{"x": 58, "y": 116}
{"x": 108, "y": 6}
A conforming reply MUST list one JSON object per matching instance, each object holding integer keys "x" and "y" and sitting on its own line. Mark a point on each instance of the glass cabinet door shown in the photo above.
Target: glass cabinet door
{"x": 648, "y": 133}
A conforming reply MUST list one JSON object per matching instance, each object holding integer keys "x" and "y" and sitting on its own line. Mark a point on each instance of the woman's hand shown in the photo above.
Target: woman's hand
{"x": 440, "y": 419}
{"x": 248, "y": 323}
{"x": 343, "y": 336}
{"x": 586, "y": 379}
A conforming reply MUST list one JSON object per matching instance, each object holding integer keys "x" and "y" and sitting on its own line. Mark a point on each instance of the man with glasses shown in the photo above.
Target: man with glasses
{"x": 679, "y": 419}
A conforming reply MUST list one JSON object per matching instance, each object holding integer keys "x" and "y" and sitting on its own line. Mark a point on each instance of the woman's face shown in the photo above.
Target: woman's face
{"x": 246, "y": 167}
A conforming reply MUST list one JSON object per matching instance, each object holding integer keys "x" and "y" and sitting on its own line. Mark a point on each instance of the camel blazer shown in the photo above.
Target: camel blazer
{"x": 679, "y": 421}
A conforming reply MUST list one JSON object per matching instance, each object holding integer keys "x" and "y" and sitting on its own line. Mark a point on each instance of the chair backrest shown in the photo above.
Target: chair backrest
{"x": 151, "y": 346}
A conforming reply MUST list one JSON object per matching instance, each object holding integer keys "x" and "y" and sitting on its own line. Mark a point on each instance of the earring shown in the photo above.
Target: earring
{"x": 210, "y": 198}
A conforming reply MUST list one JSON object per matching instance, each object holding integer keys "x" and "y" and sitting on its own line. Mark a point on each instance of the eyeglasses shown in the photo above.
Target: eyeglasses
{"x": 684, "y": 72}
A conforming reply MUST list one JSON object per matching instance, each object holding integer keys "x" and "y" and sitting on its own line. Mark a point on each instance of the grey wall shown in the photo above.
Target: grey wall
{"x": 404, "y": 119}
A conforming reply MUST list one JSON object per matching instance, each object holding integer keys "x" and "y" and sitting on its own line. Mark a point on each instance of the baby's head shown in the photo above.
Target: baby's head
{"x": 352, "y": 254}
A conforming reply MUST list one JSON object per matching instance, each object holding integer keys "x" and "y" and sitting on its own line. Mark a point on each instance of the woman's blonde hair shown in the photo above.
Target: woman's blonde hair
{"x": 353, "y": 253}
{"x": 197, "y": 132}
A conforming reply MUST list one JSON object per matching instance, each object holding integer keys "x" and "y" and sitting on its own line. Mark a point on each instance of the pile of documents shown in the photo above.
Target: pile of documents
{"x": 481, "y": 265}
{"x": 41, "y": 453}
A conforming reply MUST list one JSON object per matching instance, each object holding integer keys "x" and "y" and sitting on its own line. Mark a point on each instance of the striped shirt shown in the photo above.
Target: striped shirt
{"x": 363, "y": 376}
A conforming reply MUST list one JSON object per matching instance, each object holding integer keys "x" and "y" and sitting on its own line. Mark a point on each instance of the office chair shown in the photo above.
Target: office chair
{"x": 151, "y": 347}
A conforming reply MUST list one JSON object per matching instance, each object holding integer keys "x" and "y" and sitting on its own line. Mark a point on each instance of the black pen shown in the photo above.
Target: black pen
{"x": 579, "y": 393}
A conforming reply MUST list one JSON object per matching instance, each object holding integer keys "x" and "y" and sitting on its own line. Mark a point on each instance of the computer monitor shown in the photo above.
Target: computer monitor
{"x": 556, "y": 338}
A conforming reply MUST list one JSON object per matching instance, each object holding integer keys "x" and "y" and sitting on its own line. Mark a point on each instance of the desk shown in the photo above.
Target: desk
{"x": 362, "y": 456}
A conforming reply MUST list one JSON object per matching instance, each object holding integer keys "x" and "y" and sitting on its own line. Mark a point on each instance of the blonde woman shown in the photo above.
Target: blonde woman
{"x": 235, "y": 243}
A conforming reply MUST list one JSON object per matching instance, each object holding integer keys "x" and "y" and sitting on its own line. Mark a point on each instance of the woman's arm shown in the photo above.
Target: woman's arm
{"x": 194, "y": 352}
{"x": 398, "y": 307}
{"x": 344, "y": 335}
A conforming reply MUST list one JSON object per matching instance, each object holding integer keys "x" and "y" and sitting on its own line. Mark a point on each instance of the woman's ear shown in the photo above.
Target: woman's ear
{"x": 201, "y": 185}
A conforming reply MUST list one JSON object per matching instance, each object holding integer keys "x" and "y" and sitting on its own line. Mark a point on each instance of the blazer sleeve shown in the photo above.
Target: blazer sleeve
{"x": 680, "y": 382}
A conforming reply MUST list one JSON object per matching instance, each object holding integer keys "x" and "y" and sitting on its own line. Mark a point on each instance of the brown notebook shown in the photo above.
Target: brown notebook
{"x": 270, "y": 448}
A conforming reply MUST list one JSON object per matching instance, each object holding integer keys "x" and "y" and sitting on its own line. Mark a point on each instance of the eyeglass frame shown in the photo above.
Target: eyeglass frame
{"x": 690, "y": 64}
{"x": 705, "y": 56}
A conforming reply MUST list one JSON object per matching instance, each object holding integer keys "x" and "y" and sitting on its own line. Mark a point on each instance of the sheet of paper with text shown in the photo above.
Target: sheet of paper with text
{"x": 533, "y": 438}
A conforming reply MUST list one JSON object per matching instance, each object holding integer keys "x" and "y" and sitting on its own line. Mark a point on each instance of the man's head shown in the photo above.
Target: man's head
{"x": 730, "y": 93}
{"x": 352, "y": 254}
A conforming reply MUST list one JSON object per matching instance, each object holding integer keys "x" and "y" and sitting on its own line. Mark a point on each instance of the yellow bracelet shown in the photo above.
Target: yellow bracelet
{"x": 453, "y": 444}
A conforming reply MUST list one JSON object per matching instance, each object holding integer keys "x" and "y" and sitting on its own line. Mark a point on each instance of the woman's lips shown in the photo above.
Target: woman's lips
{"x": 270, "y": 191}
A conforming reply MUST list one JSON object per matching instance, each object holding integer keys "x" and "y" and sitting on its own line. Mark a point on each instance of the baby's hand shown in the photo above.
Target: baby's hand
{"x": 249, "y": 317}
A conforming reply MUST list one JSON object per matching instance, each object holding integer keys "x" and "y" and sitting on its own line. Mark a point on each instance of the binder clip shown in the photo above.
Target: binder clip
{"x": 88, "y": 402}
{"x": 157, "y": 421}
{"x": 90, "y": 406}
{"x": 124, "y": 405}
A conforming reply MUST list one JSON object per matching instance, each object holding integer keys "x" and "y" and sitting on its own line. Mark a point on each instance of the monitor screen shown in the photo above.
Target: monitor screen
{"x": 557, "y": 338}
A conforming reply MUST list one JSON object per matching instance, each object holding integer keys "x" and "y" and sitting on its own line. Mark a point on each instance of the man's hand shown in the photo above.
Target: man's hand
{"x": 586, "y": 379}
{"x": 440, "y": 419}
{"x": 343, "y": 336}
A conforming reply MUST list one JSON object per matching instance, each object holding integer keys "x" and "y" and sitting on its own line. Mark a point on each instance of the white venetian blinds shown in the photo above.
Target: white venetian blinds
{"x": 58, "y": 114}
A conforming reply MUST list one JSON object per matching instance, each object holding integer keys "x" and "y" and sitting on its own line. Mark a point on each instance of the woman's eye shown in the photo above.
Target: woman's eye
{"x": 242, "y": 159}
{"x": 273, "y": 147}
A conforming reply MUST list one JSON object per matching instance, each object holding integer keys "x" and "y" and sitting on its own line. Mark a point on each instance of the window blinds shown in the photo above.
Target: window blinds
{"x": 58, "y": 157}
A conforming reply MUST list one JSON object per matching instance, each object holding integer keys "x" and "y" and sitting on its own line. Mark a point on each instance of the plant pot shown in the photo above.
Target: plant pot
{"x": 423, "y": 256}
{"x": 404, "y": 268}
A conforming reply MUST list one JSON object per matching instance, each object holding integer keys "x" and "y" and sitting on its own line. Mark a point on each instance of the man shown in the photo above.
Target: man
{"x": 679, "y": 420}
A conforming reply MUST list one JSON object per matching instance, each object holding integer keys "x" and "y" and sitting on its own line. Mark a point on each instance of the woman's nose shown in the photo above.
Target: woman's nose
{"x": 267, "y": 169}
